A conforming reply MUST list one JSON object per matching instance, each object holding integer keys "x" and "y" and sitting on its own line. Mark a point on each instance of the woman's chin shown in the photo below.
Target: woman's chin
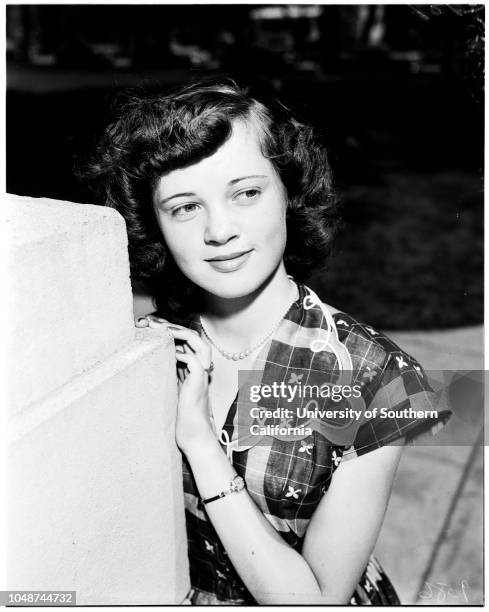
{"x": 231, "y": 293}
{"x": 230, "y": 290}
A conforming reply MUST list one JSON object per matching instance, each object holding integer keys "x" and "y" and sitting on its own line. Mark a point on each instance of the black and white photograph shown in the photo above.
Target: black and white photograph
{"x": 245, "y": 304}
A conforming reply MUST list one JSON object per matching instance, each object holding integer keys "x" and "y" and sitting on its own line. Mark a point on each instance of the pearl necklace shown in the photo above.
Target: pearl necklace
{"x": 250, "y": 349}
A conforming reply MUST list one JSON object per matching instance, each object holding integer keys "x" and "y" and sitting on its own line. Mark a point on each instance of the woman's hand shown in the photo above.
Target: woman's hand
{"x": 194, "y": 425}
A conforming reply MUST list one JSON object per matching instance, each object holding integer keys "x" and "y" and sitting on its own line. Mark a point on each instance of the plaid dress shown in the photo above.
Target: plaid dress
{"x": 286, "y": 476}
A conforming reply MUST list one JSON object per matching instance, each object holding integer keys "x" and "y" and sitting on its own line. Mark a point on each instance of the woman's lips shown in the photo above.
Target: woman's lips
{"x": 231, "y": 264}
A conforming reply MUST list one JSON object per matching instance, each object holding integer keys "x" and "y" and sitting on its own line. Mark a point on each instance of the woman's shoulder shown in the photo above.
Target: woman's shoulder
{"x": 363, "y": 339}
{"x": 347, "y": 322}
{"x": 366, "y": 341}
{"x": 333, "y": 311}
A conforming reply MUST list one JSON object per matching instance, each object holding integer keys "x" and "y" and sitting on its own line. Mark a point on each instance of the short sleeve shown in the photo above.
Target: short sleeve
{"x": 403, "y": 405}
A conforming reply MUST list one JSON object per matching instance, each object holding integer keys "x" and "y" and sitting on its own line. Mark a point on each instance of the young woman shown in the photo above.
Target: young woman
{"x": 224, "y": 199}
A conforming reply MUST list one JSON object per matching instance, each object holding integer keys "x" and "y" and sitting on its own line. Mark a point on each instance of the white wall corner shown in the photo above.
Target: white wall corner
{"x": 95, "y": 501}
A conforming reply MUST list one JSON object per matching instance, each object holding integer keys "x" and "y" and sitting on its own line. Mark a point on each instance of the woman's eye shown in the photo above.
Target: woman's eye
{"x": 185, "y": 209}
{"x": 248, "y": 194}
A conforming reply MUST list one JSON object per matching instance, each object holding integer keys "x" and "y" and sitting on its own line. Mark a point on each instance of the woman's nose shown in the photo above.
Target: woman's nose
{"x": 220, "y": 227}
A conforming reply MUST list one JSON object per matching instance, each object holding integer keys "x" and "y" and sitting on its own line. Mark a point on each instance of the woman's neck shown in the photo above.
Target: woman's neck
{"x": 238, "y": 322}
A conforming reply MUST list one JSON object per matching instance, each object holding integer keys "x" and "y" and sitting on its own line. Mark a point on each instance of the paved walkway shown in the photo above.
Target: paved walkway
{"x": 431, "y": 544}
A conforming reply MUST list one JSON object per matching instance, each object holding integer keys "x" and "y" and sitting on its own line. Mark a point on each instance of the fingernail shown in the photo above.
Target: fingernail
{"x": 175, "y": 327}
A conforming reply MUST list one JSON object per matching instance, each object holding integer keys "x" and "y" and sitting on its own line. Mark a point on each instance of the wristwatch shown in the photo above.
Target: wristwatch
{"x": 237, "y": 484}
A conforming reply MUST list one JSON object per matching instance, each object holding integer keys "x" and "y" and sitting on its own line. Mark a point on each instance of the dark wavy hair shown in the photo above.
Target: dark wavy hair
{"x": 155, "y": 134}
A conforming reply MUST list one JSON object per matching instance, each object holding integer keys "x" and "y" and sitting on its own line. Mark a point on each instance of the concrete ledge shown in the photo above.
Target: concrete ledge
{"x": 95, "y": 484}
{"x": 95, "y": 500}
{"x": 146, "y": 341}
{"x": 69, "y": 295}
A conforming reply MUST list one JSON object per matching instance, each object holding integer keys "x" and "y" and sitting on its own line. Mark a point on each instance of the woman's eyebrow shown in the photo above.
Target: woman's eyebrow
{"x": 187, "y": 194}
{"x": 190, "y": 194}
{"x": 242, "y": 178}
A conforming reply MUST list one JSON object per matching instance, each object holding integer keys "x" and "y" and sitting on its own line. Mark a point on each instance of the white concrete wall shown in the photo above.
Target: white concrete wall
{"x": 95, "y": 502}
{"x": 70, "y": 292}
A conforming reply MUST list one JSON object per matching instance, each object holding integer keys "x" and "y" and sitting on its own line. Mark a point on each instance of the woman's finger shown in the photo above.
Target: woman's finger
{"x": 182, "y": 370}
{"x": 182, "y": 373}
{"x": 149, "y": 320}
{"x": 192, "y": 362}
{"x": 141, "y": 322}
{"x": 190, "y": 340}
{"x": 197, "y": 344}
{"x": 155, "y": 323}
{"x": 180, "y": 328}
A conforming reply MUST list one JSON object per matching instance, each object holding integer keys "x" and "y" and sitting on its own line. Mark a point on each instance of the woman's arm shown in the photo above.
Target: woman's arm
{"x": 340, "y": 535}
{"x": 345, "y": 526}
{"x": 338, "y": 541}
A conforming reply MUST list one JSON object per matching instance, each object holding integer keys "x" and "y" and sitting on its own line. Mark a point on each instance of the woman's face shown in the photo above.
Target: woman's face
{"x": 223, "y": 218}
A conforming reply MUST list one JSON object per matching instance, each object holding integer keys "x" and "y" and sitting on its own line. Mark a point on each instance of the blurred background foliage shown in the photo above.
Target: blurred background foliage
{"x": 395, "y": 90}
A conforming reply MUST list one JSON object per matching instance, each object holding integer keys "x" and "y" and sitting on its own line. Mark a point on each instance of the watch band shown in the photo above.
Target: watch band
{"x": 237, "y": 484}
